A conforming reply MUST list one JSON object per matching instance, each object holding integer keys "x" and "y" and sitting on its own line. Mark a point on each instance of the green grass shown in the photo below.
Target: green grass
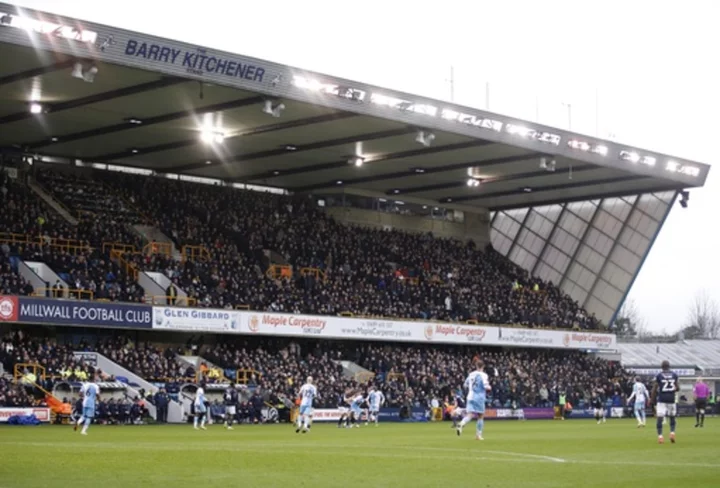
{"x": 574, "y": 453}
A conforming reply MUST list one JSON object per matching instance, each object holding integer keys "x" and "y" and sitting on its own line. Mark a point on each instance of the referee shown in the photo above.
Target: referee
{"x": 700, "y": 393}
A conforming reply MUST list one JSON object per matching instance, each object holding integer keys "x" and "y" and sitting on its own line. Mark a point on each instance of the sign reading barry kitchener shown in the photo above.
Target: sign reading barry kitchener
{"x": 94, "y": 314}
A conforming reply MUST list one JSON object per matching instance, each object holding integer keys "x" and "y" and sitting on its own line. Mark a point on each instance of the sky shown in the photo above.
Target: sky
{"x": 640, "y": 72}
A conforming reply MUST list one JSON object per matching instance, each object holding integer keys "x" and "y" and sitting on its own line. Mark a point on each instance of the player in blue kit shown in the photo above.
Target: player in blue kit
{"x": 664, "y": 391}
{"x": 477, "y": 384}
{"x": 375, "y": 400}
{"x": 355, "y": 401}
{"x": 308, "y": 392}
{"x": 200, "y": 407}
{"x": 90, "y": 392}
{"x": 640, "y": 394}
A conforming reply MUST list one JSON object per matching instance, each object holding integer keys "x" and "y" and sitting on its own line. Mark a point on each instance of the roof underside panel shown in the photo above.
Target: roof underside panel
{"x": 593, "y": 249}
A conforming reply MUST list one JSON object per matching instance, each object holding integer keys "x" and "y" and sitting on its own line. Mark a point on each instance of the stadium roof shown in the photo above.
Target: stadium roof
{"x": 150, "y": 97}
{"x": 572, "y": 209}
{"x": 703, "y": 354}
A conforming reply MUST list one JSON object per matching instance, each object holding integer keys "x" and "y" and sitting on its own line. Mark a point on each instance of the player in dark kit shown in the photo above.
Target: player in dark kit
{"x": 666, "y": 385}
{"x": 231, "y": 401}
{"x": 598, "y": 407}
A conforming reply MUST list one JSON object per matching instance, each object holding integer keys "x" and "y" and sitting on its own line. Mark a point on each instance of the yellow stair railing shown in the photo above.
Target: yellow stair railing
{"x": 243, "y": 376}
{"x": 277, "y": 271}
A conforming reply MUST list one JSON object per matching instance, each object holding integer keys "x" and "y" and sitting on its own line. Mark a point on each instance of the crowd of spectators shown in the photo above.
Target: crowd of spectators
{"x": 14, "y": 395}
{"x": 147, "y": 361}
{"x": 408, "y": 375}
{"x": 11, "y": 283}
{"x": 58, "y": 360}
{"x": 415, "y": 375}
{"x": 74, "y": 252}
{"x": 363, "y": 271}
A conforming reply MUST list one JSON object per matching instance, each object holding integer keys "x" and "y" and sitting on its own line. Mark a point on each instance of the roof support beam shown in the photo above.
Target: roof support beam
{"x": 609, "y": 254}
{"x": 580, "y": 244}
{"x": 158, "y": 119}
{"x": 517, "y": 236}
{"x": 343, "y": 163}
{"x": 31, "y": 73}
{"x": 489, "y": 181}
{"x": 555, "y": 187}
{"x": 645, "y": 255}
{"x": 412, "y": 172}
{"x": 252, "y": 157}
{"x": 141, "y": 151}
{"x": 96, "y": 98}
{"x": 592, "y": 196}
{"x": 549, "y": 238}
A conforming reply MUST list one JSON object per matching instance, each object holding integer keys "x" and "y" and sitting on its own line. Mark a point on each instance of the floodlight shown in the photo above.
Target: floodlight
{"x": 356, "y": 161}
{"x": 77, "y": 71}
{"x": 89, "y": 75}
{"x": 207, "y": 136}
{"x": 425, "y": 138}
{"x": 36, "y": 108}
{"x": 547, "y": 165}
{"x": 472, "y": 182}
{"x": 273, "y": 109}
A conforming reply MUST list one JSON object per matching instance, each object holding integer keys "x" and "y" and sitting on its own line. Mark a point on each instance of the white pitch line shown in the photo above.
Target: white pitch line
{"x": 531, "y": 456}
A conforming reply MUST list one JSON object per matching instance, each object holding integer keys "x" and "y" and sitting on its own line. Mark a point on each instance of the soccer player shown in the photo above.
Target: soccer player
{"x": 598, "y": 408}
{"x": 308, "y": 392}
{"x": 89, "y": 392}
{"x": 344, "y": 412}
{"x": 375, "y": 400}
{"x": 231, "y": 401}
{"x": 477, "y": 384}
{"x": 700, "y": 393}
{"x": 459, "y": 411}
{"x": 200, "y": 408}
{"x": 355, "y": 401}
{"x": 664, "y": 390}
{"x": 640, "y": 394}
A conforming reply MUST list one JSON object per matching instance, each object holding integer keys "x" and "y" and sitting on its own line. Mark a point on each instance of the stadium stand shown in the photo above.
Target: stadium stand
{"x": 337, "y": 268}
{"x": 408, "y": 375}
{"x": 11, "y": 283}
{"x": 14, "y": 395}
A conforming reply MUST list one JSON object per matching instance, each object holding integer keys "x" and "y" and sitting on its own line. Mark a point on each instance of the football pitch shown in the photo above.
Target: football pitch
{"x": 575, "y": 453}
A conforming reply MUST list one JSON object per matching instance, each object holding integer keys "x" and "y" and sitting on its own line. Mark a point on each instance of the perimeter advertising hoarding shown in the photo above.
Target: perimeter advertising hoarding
{"x": 423, "y": 415}
{"x": 52, "y": 311}
{"x": 42, "y": 414}
{"x": 329, "y": 327}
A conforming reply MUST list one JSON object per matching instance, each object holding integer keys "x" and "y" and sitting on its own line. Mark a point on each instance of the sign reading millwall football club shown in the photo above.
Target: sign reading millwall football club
{"x": 52, "y": 311}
